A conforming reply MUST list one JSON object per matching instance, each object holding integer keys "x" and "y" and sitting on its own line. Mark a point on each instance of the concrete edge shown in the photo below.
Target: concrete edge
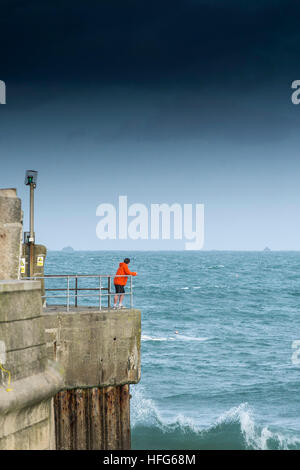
{"x": 18, "y": 285}
{"x": 8, "y": 193}
{"x": 50, "y": 311}
{"x": 33, "y": 389}
{"x": 67, "y": 387}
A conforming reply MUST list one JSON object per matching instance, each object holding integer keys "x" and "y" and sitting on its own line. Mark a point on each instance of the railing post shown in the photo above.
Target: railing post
{"x": 68, "y": 293}
{"x": 76, "y": 287}
{"x": 100, "y": 287}
{"x": 108, "y": 287}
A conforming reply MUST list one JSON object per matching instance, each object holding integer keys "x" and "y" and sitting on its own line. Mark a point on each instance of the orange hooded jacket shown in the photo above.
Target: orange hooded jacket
{"x": 122, "y": 270}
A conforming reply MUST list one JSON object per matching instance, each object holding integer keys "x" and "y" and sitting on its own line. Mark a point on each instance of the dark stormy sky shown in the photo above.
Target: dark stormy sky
{"x": 163, "y": 101}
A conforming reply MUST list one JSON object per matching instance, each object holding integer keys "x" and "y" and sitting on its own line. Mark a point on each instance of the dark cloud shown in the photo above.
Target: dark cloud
{"x": 156, "y": 70}
{"x": 149, "y": 43}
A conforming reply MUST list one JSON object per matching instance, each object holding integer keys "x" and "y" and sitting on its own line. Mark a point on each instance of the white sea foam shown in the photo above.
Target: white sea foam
{"x": 144, "y": 412}
{"x": 152, "y": 338}
{"x": 255, "y": 437}
{"x": 173, "y": 338}
{"x": 191, "y": 338}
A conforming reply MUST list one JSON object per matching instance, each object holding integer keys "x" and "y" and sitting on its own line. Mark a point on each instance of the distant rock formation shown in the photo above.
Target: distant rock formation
{"x": 267, "y": 249}
{"x": 68, "y": 249}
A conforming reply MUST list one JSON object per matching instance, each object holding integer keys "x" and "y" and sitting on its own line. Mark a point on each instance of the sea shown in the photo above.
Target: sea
{"x": 220, "y": 368}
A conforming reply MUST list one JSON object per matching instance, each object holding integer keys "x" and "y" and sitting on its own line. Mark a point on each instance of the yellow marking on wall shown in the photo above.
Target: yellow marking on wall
{"x": 9, "y": 378}
{"x": 22, "y": 265}
{"x": 40, "y": 261}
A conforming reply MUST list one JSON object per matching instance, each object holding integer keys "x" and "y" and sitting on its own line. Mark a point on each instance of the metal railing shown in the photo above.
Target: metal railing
{"x": 72, "y": 290}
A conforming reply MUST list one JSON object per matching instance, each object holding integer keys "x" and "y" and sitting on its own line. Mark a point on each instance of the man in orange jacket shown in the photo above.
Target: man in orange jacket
{"x": 120, "y": 282}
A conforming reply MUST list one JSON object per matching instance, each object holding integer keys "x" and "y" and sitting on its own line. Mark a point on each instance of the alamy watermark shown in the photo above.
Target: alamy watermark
{"x": 2, "y": 92}
{"x": 296, "y": 353}
{"x": 152, "y": 224}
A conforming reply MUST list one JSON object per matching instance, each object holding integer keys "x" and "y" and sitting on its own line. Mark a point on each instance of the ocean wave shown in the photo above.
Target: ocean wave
{"x": 235, "y": 429}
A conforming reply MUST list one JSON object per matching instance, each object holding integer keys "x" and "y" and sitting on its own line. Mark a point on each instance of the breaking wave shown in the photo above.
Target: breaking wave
{"x": 235, "y": 429}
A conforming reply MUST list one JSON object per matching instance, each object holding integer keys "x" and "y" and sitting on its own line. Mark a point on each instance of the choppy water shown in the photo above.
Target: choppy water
{"x": 226, "y": 380}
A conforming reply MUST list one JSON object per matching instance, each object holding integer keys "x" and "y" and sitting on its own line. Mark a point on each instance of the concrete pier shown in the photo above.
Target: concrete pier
{"x": 100, "y": 354}
{"x": 64, "y": 375}
{"x": 28, "y": 381}
{"x": 93, "y": 418}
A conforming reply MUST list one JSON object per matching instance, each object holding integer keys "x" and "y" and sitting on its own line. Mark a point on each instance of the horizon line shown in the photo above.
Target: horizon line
{"x": 186, "y": 251}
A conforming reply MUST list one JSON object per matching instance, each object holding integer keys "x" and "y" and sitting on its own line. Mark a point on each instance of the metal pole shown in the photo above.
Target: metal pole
{"x": 108, "y": 287}
{"x": 68, "y": 293}
{"x": 31, "y": 238}
{"x": 100, "y": 287}
{"x": 31, "y": 210}
{"x": 131, "y": 297}
{"x": 76, "y": 287}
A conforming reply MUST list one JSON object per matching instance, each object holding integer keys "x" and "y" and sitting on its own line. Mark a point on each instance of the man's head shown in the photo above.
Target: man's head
{"x": 127, "y": 260}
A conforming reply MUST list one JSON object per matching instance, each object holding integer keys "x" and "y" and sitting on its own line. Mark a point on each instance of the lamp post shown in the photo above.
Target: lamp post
{"x": 31, "y": 180}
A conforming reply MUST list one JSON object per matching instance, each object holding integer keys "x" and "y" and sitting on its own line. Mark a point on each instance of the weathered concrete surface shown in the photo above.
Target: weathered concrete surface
{"x": 21, "y": 327}
{"x": 100, "y": 354}
{"x": 28, "y": 382}
{"x": 96, "y": 348}
{"x": 93, "y": 418}
{"x": 10, "y": 233}
{"x": 26, "y": 412}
